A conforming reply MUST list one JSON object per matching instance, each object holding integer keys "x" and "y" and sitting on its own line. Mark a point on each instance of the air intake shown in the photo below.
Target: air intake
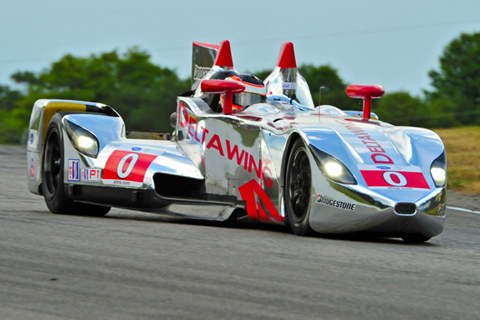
{"x": 406, "y": 208}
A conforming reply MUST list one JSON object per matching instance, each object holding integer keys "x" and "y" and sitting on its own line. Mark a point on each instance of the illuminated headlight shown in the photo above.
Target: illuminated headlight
{"x": 84, "y": 141}
{"x": 333, "y": 168}
{"x": 438, "y": 170}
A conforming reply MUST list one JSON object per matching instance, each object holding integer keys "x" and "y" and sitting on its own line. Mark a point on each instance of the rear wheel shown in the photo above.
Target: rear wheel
{"x": 298, "y": 189}
{"x": 53, "y": 186}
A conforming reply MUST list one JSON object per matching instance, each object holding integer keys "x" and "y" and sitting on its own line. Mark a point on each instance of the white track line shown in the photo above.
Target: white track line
{"x": 464, "y": 210}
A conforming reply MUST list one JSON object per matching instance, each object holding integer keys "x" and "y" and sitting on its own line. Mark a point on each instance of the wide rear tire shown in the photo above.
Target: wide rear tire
{"x": 298, "y": 189}
{"x": 53, "y": 187}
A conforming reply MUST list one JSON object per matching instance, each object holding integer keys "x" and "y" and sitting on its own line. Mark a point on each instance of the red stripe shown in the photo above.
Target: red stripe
{"x": 379, "y": 178}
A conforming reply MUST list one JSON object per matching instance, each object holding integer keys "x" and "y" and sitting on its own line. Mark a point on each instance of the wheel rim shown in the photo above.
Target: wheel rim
{"x": 300, "y": 185}
{"x": 52, "y": 164}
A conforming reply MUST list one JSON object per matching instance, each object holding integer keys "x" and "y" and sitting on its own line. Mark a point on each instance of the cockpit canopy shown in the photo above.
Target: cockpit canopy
{"x": 288, "y": 82}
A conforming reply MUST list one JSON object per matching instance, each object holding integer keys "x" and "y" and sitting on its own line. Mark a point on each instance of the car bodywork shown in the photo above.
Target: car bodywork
{"x": 281, "y": 161}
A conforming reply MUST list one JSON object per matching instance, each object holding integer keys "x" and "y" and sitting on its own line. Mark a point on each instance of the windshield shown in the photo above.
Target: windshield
{"x": 290, "y": 83}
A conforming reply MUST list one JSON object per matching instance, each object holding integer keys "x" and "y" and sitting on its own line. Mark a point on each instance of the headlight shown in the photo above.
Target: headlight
{"x": 333, "y": 168}
{"x": 438, "y": 170}
{"x": 84, "y": 141}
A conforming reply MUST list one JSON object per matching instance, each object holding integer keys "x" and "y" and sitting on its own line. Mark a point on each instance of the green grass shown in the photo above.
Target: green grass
{"x": 463, "y": 158}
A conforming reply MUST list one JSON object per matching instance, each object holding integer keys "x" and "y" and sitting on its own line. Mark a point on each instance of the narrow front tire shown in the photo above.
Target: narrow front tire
{"x": 53, "y": 186}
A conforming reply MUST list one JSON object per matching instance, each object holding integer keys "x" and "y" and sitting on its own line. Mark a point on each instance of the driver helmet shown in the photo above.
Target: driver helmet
{"x": 254, "y": 92}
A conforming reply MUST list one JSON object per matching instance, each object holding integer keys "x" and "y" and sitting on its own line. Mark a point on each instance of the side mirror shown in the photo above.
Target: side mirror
{"x": 224, "y": 87}
{"x": 365, "y": 92}
{"x": 173, "y": 120}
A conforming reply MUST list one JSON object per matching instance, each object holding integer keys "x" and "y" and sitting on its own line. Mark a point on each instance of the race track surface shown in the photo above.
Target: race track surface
{"x": 131, "y": 265}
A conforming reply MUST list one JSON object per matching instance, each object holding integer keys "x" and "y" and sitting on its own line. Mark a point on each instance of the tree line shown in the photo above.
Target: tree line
{"x": 145, "y": 94}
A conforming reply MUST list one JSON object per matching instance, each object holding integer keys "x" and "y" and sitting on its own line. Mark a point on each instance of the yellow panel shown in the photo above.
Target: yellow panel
{"x": 54, "y": 107}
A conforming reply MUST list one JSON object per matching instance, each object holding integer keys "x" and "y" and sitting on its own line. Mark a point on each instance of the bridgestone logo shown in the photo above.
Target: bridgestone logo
{"x": 200, "y": 72}
{"x": 335, "y": 204}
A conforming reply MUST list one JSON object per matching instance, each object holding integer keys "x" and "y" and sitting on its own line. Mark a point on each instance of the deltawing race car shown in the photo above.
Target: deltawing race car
{"x": 245, "y": 149}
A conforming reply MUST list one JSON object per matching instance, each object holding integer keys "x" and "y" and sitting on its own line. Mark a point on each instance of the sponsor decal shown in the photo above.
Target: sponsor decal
{"x": 32, "y": 137}
{"x": 378, "y": 154}
{"x": 126, "y": 168}
{"x": 91, "y": 174}
{"x": 32, "y": 168}
{"x": 73, "y": 170}
{"x": 256, "y": 199}
{"x": 335, "y": 203}
{"x": 289, "y": 85}
{"x": 136, "y": 148}
{"x": 442, "y": 208}
{"x": 200, "y": 72}
{"x": 224, "y": 147}
{"x": 394, "y": 178}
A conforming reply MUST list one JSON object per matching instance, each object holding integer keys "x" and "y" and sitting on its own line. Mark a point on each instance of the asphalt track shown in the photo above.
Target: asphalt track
{"x": 131, "y": 265}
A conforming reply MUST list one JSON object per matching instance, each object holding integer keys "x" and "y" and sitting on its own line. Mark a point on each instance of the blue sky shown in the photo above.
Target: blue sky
{"x": 393, "y": 43}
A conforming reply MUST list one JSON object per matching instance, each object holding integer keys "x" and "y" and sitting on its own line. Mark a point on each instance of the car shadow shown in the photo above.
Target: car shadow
{"x": 124, "y": 214}
{"x": 252, "y": 225}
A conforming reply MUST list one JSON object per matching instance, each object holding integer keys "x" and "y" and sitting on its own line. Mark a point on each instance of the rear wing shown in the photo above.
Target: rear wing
{"x": 203, "y": 58}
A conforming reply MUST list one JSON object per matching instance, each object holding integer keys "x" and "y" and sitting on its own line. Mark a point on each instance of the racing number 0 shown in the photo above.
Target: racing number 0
{"x": 123, "y": 172}
{"x": 412, "y": 178}
{"x": 388, "y": 177}
{"x": 128, "y": 166}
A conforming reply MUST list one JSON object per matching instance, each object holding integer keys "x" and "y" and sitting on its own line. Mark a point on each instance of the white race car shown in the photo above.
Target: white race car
{"x": 245, "y": 148}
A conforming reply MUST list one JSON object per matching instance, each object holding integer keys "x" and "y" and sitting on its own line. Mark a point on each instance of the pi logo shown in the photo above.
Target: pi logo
{"x": 255, "y": 196}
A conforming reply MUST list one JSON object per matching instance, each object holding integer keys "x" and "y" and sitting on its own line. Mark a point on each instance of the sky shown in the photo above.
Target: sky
{"x": 388, "y": 42}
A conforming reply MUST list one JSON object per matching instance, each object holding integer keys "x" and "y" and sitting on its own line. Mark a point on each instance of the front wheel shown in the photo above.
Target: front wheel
{"x": 53, "y": 187}
{"x": 298, "y": 189}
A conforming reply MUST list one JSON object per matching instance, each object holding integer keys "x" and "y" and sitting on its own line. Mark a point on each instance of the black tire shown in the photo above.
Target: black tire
{"x": 53, "y": 187}
{"x": 298, "y": 189}
{"x": 415, "y": 238}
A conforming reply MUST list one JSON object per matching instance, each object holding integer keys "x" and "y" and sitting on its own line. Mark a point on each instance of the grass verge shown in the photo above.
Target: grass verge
{"x": 463, "y": 158}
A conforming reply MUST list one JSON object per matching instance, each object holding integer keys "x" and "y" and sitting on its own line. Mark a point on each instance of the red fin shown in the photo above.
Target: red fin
{"x": 224, "y": 57}
{"x": 286, "y": 59}
{"x": 206, "y": 45}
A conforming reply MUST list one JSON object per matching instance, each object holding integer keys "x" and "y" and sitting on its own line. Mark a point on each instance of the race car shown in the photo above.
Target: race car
{"x": 245, "y": 149}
